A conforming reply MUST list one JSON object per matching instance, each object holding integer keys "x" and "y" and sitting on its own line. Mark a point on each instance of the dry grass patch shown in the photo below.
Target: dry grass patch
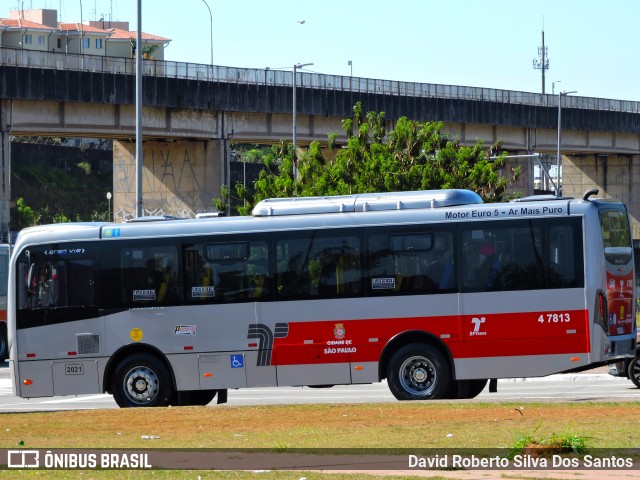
{"x": 393, "y": 425}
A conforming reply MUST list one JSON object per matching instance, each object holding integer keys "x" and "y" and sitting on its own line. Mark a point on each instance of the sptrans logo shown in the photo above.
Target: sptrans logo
{"x": 477, "y": 322}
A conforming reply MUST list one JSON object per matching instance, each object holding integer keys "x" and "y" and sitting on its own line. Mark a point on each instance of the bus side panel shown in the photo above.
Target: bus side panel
{"x": 259, "y": 375}
{"x": 222, "y": 371}
{"x": 517, "y": 366}
{"x": 364, "y": 372}
{"x": 324, "y": 374}
{"x": 339, "y": 343}
{"x": 77, "y": 372}
{"x": 191, "y": 338}
{"x": 40, "y": 377}
{"x": 260, "y": 367}
{"x": 550, "y": 327}
{"x": 291, "y": 339}
{"x": 75, "y": 377}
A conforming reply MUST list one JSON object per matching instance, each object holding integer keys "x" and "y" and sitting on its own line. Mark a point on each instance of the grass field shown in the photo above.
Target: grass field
{"x": 390, "y": 426}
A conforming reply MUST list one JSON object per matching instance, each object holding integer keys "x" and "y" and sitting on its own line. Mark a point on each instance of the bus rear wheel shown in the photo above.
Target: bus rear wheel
{"x": 142, "y": 380}
{"x": 634, "y": 371}
{"x": 468, "y": 388}
{"x": 418, "y": 372}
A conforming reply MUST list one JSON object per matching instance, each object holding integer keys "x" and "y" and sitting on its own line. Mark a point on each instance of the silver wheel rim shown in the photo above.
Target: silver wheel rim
{"x": 141, "y": 385}
{"x": 418, "y": 376}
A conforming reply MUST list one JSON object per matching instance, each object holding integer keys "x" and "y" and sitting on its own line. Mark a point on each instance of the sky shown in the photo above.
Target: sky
{"x": 593, "y": 45}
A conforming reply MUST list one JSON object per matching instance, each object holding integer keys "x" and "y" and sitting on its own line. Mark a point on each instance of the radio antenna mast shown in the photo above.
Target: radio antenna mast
{"x": 542, "y": 62}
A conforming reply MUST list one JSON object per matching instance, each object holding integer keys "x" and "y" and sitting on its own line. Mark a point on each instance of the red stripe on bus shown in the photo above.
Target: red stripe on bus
{"x": 466, "y": 336}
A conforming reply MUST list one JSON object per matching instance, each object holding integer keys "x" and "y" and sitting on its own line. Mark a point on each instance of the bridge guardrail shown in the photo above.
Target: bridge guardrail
{"x": 278, "y": 77}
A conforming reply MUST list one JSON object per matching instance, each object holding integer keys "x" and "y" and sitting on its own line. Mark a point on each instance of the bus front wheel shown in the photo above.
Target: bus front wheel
{"x": 141, "y": 380}
{"x": 4, "y": 343}
{"x": 418, "y": 372}
{"x": 193, "y": 397}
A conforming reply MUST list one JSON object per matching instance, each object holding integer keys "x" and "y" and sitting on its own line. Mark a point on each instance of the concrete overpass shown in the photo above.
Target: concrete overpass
{"x": 193, "y": 112}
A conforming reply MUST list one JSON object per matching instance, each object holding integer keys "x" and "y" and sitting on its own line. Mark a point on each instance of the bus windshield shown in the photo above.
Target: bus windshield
{"x": 618, "y": 253}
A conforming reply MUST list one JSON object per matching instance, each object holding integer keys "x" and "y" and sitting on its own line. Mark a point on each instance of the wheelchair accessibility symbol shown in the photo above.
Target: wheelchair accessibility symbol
{"x": 237, "y": 361}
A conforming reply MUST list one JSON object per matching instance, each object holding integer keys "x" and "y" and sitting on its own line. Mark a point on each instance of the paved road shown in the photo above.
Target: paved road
{"x": 595, "y": 385}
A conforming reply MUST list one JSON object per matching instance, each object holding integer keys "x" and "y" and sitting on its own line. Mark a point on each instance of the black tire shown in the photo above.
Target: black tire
{"x": 193, "y": 397}
{"x": 470, "y": 388}
{"x": 418, "y": 372}
{"x": 142, "y": 380}
{"x": 4, "y": 342}
{"x": 203, "y": 397}
{"x": 634, "y": 371}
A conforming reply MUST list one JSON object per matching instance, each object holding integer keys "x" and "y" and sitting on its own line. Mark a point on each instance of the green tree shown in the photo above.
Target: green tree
{"x": 24, "y": 216}
{"x": 413, "y": 156}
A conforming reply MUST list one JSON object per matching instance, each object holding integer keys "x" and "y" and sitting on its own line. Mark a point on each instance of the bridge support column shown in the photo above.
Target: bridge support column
{"x": 614, "y": 175}
{"x": 5, "y": 171}
{"x": 179, "y": 178}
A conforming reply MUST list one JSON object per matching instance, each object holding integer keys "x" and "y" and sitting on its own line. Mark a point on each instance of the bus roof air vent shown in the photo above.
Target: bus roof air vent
{"x": 366, "y": 202}
{"x": 540, "y": 198}
{"x": 152, "y": 218}
{"x": 209, "y": 215}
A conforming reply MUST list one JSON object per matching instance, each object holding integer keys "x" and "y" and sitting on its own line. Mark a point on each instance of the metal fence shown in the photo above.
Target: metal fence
{"x": 255, "y": 76}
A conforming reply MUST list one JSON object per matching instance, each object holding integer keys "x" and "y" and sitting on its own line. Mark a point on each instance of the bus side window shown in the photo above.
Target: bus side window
{"x": 316, "y": 265}
{"x": 292, "y": 271}
{"x": 481, "y": 266}
{"x": 56, "y": 283}
{"x": 348, "y": 274}
{"x": 561, "y": 261}
{"x": 46, "y": 285}
{"x": 199, "y": 284}
{"x": 149, "y": 276}
{"x": 417, "y": 262}
{"x": 260, "y": 283}
{"x": 499, "y": 258}
{"x": 442, "y": 268}
{"x": 338, "y": 257}
{"x": 231, "y": 280}
{"x": 233, "y": 270}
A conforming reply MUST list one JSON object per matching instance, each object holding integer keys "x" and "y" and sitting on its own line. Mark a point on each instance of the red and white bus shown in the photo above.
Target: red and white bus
{"x": 434, "y": 291}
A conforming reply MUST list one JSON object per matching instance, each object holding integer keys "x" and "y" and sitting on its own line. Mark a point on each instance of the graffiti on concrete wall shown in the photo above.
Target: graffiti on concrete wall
{"x": 176, "y": 179}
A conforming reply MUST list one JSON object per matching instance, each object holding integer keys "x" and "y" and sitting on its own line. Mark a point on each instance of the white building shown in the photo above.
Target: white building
{"x": 40, "y": 30}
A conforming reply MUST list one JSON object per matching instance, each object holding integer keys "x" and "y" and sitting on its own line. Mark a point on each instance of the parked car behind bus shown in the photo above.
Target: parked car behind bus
{"x": 629, "y": 368}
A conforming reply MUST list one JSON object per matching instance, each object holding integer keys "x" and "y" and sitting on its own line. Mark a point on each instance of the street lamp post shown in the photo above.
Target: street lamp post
{"x": 109, "y": 210}
{"x": 295, "y": 151}
{"x": 210, "y": 29}
{"x": 139, "y": 151}
{"x": 560, "y": 95}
